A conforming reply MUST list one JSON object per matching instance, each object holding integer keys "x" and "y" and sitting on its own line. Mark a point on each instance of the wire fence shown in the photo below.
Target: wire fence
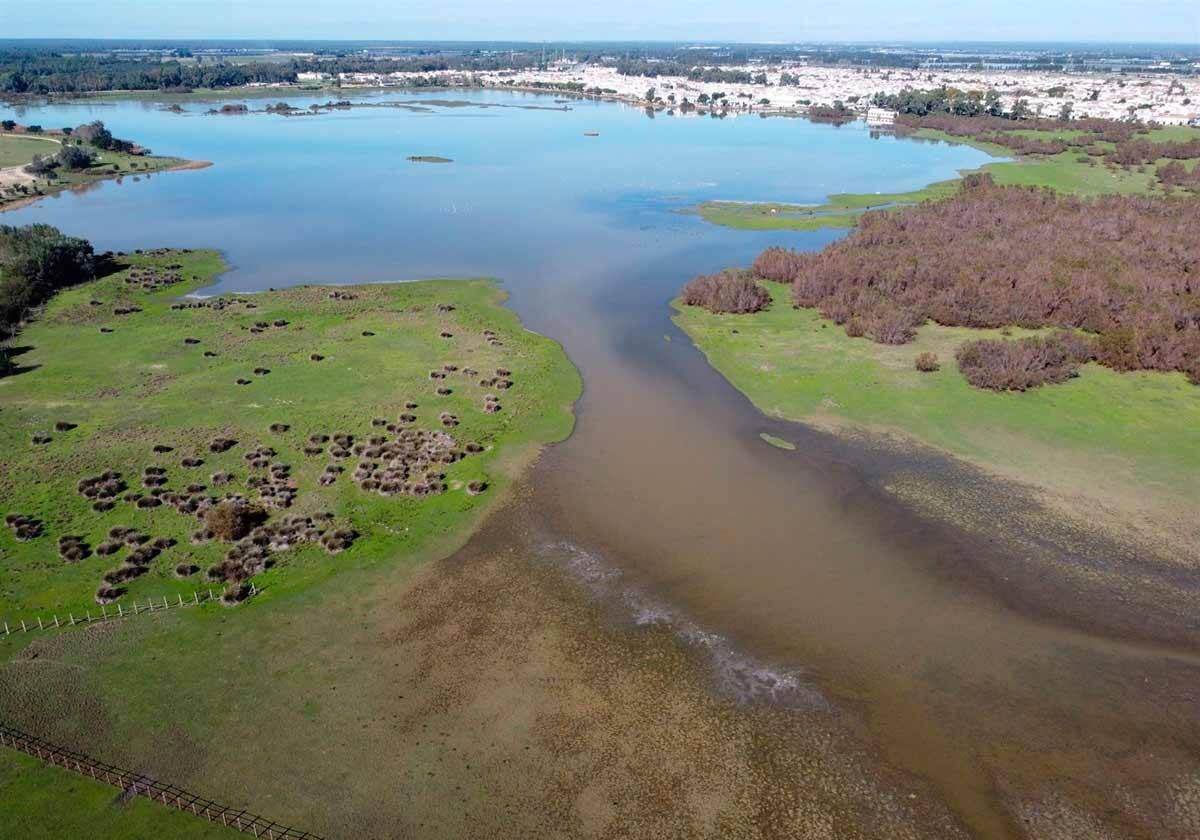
{"x": 137, "y": 784}
{"x": 111, "y": 612}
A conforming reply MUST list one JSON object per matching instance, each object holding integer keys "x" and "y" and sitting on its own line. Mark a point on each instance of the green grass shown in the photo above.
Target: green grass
{"x": 39, "y": 802}
{"x": 19, "y": 149}
{"x": 141, "y": 385}
{"x": 1066, "y": 174}
{"x": 840, "y": 211}
{"x": 1108, "y": 434}
{"x": 1063, "y": 172}
{"x": 1173, "y": 134}
{"x": 108, "y": 164}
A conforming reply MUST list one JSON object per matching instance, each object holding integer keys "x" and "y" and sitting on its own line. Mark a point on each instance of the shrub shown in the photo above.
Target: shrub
{"x": 1121, "y": 267}
{"x": 231, "y": 519}
{"x": 1004, "y": 365}
{"x": 728, "y": 291}
{"x": 927, "y": 362}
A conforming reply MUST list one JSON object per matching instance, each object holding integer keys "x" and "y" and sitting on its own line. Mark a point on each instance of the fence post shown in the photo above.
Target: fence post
{"x": 89, "y": 616}
{"x": 40, "y": 627}
{"x": 24, "y": 629}
{"x": 164, "y": 602}
{"x": 104, "y": 612}
{"x": 72, "y": 618}
{"x": 120, "y": 612}
{"x": 6, "y": 628}
{"x": 181, "y": 600}
{"x": 56, "y": 619}
{"x": 196, "y": 597}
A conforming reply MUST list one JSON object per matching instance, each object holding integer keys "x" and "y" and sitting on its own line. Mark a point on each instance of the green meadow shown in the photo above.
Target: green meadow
{"x": 1123, "y": 437}
{"x": 169, "y": 378}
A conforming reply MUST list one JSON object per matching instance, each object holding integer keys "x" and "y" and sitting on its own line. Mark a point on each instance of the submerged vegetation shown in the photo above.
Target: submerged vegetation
{"x": 165, "y": 445}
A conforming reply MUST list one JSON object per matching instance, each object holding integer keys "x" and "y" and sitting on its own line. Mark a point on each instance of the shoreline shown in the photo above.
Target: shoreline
{"x": 180, "y": 165}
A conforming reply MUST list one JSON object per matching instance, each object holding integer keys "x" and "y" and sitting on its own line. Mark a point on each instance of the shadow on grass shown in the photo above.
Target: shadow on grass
{"x": 8, "y": 367}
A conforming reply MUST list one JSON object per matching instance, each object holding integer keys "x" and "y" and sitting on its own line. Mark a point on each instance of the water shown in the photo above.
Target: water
{"x": 792, "y": 570}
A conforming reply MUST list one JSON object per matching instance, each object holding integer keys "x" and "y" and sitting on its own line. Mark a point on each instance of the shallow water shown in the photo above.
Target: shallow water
{"x": 796, "y": 575}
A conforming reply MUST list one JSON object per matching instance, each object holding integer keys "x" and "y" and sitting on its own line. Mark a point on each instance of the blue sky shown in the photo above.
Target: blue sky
{"x": 727, "y": 20}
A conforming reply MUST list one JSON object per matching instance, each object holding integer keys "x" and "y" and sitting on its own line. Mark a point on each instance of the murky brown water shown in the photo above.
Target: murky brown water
{"x": 667, "y": 504}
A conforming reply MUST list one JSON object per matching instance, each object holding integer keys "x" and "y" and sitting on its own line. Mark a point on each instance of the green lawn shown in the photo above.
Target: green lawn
{"x": 19, "y": 149}
{"x": 1114, "y": 436}
{"x": 39, "y": 802}
{"x": 142, "y": 385}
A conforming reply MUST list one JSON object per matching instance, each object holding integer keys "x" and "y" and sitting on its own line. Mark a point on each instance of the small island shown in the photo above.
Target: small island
{"x": 430, "y": 159}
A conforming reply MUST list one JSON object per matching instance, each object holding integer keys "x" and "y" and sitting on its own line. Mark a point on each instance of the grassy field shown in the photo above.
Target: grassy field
{"x": 142, "y": 385}
{"x": 1126, "y": 439}
{"x": 38, "y": 801}
{"x": 1063, "y": 172}
{"x": 19, "y": 149}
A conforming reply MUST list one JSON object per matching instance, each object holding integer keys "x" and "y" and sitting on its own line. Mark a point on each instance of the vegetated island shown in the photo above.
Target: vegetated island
{"x": 1050, "y": 339}
{"x": 429, "y": 159}
{"x": 158, "y": 445}
{"x": 36, "y": 162}
{"x": 1079, "y": 156}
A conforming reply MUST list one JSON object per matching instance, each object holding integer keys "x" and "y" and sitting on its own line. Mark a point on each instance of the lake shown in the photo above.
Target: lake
{"x": 795, "y": 573}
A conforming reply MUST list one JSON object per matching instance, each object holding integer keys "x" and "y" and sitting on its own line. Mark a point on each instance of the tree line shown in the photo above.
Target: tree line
{"x": 35, "y": 262}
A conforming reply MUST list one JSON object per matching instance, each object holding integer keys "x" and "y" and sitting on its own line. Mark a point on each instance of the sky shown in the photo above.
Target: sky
{"x": 1176, "y": 21}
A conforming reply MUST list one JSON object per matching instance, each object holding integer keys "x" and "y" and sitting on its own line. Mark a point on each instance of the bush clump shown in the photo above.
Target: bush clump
{"x": 730, "y": 291}
{"x": 232, "y": 519}
{"x": 1006, "y": 365}
{"x": 1120, "y": 267}
{"x": 927, "y": 362}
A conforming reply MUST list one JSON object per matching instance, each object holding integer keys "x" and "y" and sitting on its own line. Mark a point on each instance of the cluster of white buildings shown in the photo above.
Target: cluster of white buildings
{"x": 1164, "y": 98}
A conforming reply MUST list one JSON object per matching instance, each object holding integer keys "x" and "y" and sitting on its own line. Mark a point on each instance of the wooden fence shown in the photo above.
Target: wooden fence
{"x": 136, "y": 784}
{"x": 111, "y": 613}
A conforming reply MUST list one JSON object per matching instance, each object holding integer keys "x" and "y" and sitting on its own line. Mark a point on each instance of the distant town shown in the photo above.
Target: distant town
{"x": 1143, "y": 84}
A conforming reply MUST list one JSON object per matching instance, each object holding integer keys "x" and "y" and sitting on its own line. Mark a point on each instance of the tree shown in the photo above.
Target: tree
{"x": 76, "y": 157}
{"x": 1064, "y": 113}
{"x": 34, "y": 129}
{"x": 8, "y": 125}
{"x": 41, "y": 165}
{"x": 650, "y": 94}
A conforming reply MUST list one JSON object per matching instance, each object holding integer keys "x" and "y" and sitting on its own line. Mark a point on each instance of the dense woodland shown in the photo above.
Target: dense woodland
{"x": 35, "y": 262}
{"x": 34, "y": 72}
{"x": 1121, "y": 269}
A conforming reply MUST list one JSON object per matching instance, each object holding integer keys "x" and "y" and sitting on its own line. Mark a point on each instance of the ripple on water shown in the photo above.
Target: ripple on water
{"x": 738, "y": 674}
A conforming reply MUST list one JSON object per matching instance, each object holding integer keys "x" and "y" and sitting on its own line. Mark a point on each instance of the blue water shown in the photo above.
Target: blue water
{"x": 331, "y": 198}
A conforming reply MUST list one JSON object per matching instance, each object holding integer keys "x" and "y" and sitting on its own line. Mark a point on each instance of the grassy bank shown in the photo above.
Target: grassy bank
{"x": 1123, "y": 440}
{"x": 1065, "y": 172}
{"x": 160, "y": 376}
{"x": 18, "y": 188}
